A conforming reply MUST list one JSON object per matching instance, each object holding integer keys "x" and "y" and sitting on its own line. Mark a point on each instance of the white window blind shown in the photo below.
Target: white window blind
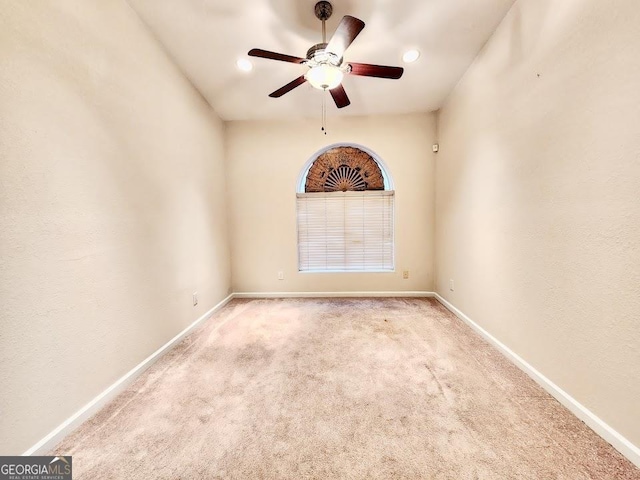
{"x": 345, "y": 231}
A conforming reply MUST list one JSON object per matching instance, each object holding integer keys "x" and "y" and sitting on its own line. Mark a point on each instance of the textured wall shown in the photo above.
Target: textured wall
{"x": 112, "y": 208}
{"x": 264, "y": 160}
{"x": 538, "y": 214}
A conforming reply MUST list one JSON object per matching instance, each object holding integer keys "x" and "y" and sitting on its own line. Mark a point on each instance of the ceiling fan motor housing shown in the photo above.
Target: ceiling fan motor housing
{"x": 318, "y": 55}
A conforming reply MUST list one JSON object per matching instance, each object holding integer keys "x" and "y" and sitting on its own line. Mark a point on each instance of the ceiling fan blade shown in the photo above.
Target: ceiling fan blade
{"x": 346, "y": 33}
{"x": 380, "y": 71}
{"x": 340, "y": 97}
{"x": 257, "y": 52}
{"x": 288, "y": 87}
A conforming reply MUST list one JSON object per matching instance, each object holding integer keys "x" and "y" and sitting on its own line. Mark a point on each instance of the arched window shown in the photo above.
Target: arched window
{"x": 345, "y": 212}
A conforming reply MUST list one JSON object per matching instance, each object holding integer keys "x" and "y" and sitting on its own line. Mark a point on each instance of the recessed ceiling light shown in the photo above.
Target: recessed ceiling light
{"x": 410, "y": 56}
{"x": 244, "y": 65}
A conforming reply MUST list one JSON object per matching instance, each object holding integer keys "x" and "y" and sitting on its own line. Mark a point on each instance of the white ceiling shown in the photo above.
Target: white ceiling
{"x": 206, "y": 37}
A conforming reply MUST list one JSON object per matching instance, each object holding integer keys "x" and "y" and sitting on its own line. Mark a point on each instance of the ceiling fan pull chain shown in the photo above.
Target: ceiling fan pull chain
{"x": 324, "y": 111}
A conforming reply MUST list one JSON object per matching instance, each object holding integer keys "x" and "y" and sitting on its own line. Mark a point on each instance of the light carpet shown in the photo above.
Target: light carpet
{"x": 337, "y": 389}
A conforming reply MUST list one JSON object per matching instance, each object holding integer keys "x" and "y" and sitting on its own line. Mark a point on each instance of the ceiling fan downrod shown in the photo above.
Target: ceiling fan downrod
{"x": 324, "y": 10}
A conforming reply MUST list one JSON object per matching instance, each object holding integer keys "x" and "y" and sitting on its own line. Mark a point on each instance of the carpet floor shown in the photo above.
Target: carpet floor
{"x": 337, "y": 389}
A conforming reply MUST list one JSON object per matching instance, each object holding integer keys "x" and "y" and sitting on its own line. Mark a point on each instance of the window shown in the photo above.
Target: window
{"x": 345, "y": 213}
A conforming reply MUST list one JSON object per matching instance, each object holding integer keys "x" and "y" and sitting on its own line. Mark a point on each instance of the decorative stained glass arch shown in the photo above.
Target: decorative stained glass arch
{"x": 343, "y": 169}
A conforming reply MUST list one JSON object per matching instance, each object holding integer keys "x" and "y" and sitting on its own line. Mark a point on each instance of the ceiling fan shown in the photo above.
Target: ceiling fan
{"x": 325, "y": 60}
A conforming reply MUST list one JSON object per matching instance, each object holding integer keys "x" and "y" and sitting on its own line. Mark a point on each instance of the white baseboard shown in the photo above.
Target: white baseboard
{"x": 620, "y": 443}
{"x": 91, "y": 408}
{"x": 333, "y": 294}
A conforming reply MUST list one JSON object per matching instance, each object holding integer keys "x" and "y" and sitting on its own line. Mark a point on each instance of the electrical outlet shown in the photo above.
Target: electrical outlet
{"x": 195, "y": 298}
{"x": 405, "y": 274}
{"x": 451, "y": 285}
{"x": 280, "y": 275}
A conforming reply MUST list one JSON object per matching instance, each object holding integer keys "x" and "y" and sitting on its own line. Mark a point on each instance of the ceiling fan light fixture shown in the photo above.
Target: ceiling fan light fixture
{"x": 324, "y": 76}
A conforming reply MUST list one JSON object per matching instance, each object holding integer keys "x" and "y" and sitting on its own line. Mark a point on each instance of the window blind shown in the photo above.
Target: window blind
{"x": 345, "y": 231}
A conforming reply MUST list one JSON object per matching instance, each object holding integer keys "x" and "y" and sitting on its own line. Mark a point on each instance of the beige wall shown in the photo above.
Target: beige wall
{"x": 112, "y": 208}
{"x": 538, "y": 209}
{"x": 264, "y": 160}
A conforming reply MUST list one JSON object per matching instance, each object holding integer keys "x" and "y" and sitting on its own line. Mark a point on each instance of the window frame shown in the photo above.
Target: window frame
{"x": 388, "y": 187}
